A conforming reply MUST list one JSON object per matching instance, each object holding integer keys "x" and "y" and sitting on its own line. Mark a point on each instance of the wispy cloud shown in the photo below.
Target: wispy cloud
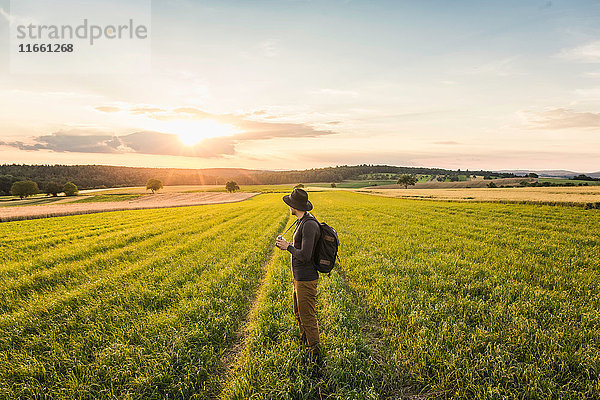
{"x": 560, "y": 118}
{"x": 269, "y": 47}
{"x": 587, "y": 53}
{"x": 447, "y": 142}
{"x": 501, "y": 67}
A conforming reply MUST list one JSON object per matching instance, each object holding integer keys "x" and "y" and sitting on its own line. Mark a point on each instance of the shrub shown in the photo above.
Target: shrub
{"x": 24, "y": 189}
{"x": 154, "y": 185}
{"x": 53, "y": 188}
{"x": 407, "y": 180}
{"x": 70, "y": 189}
{"x": 231, "y": 186}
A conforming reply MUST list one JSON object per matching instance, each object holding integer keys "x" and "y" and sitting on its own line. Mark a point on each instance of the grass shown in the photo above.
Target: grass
{"x": 108, "y": 197}
{"x": 135, "y": 304}
{"x": 283, "y": 188}
{"x": 565, "y": 181}
{"x": 31, "y": 201}
{"x": 480, "y": 300}
{"x": 349, "y": 184}
{"x": 430, "y": 300}
{"x": 579, "y": 195}
{"x": 507, "y": 308}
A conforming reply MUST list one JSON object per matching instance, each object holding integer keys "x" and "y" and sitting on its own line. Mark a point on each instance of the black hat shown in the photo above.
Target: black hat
{"x": 298, "y": 200}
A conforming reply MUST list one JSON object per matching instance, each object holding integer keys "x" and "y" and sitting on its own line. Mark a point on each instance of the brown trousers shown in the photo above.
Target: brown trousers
{"x": 305, "y": 299}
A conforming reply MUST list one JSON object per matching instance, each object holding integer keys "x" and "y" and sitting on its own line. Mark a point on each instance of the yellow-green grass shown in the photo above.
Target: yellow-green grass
{"x": 437, "y": 299}
{"x": 129, "y": 304}
{"x": 557, "y": 195}
{"x": 431, "y": 299}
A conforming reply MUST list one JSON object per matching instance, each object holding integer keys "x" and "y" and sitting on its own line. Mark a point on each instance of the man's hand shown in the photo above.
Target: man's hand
{"x": 282, "y": 243}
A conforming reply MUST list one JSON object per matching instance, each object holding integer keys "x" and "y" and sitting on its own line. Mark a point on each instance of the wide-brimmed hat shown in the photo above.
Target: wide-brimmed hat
{"x": 298, "y": 200}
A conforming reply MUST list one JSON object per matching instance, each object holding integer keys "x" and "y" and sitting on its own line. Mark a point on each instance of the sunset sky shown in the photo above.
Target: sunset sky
{"x": 295, "y": 84}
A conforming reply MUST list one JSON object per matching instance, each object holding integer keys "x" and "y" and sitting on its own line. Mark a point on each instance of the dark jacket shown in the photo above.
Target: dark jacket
{"x": 306, "y": 235}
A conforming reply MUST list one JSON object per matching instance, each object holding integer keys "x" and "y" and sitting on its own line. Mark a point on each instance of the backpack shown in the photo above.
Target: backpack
{"x": 326, "y": 248}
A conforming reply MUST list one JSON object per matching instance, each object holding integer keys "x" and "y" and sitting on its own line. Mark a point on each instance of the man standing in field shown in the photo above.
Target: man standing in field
{"x": 305, "y": 273}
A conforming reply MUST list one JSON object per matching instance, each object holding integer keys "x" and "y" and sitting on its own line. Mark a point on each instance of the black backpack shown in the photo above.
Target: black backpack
{"x": 326, "y": 249}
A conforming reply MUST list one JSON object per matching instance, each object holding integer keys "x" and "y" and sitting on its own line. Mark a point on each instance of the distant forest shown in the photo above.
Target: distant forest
{"x": 103, "y": 176}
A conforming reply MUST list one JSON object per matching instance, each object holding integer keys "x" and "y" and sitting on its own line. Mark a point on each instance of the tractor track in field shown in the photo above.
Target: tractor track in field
{"x": 230, "y": 357}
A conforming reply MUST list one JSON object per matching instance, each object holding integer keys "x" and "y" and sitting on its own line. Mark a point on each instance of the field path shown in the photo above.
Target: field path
{"x": 161, "y": 200}
{"x": 232, "y": 354}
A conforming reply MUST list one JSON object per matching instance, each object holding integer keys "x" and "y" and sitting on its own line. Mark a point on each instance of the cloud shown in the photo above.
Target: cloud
{"x": 250, "y": 129}
{"x": 561, "y": 118}
{"x": 501, "y": 67}
{"x": 144, "y": 142}
{"x": 167, "y": 143}
{"x": 108, "y": 109}
{"x": 588, "y": 53}
{"x": 72, "y": 140}
{"x": 446, "y": 142}
{"x": 269, "y": 47}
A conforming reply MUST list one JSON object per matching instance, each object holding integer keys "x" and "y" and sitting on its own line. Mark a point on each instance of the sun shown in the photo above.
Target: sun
{"x": 191, "y": 133}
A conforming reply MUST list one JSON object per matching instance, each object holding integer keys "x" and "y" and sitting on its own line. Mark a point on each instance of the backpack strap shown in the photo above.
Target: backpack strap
{"x": 293, "y": 223}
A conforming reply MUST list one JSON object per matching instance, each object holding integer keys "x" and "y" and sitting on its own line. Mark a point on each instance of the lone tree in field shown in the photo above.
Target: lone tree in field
{"x": 24, "y": 189}
{"x": 333, "y": 185}
{"x": 231, "y": 186}
{"x": 407, "y": 180}
{"x": 70, "y": 189}
{"x": 154, "y": 185}
{"x": 53, "y": 189}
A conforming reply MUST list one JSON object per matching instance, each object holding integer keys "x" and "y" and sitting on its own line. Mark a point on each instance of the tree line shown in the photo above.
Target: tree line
{"x": 103, "y": 176}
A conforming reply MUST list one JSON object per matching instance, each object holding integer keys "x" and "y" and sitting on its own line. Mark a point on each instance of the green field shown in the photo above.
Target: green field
{"x": 282, "y": 188}
{"x": 354, "y": 184}
{"x": 561, "y": 181}
{"x": 31, "y": 201}
{"x": 424, "y": 178}
{"x": 101, "y": 198}
{"x": 431, "y": 299}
